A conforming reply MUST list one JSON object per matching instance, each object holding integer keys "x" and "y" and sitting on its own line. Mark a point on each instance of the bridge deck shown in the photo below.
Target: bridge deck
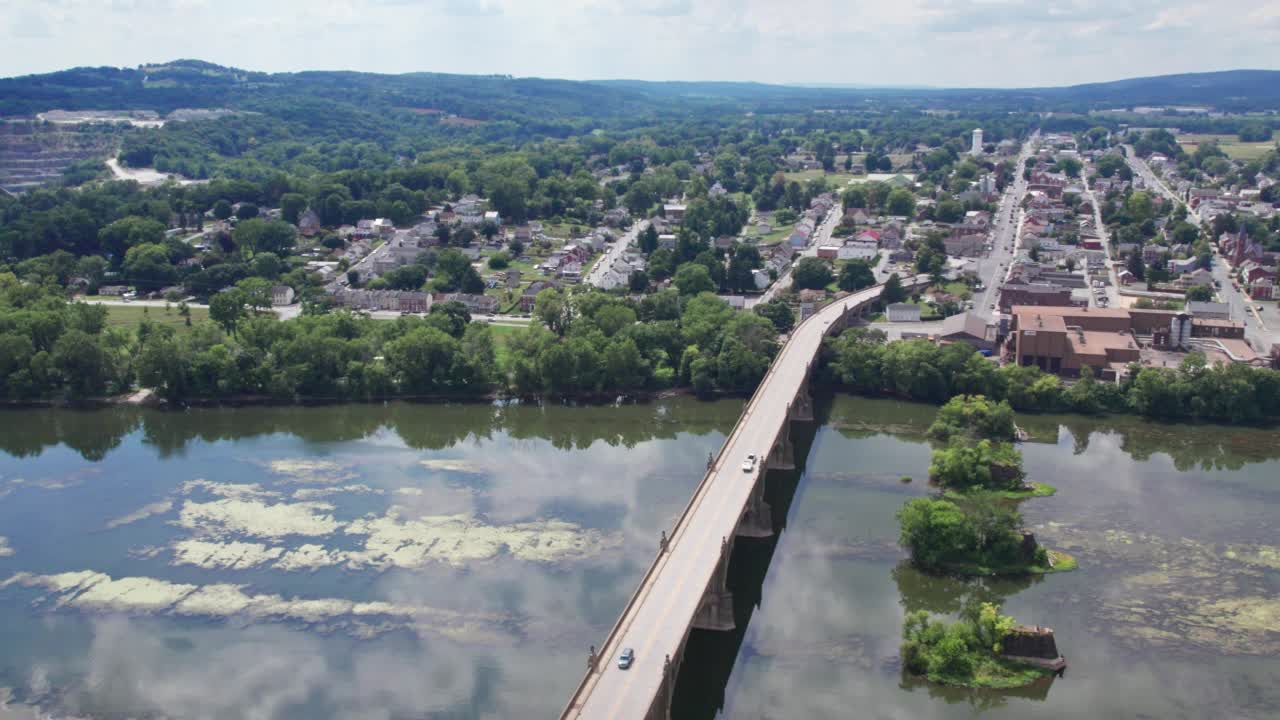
{"x": 658, "y": 617}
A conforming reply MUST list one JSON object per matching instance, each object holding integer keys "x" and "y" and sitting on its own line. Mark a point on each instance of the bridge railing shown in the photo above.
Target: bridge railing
{"x": 698, "y": 493}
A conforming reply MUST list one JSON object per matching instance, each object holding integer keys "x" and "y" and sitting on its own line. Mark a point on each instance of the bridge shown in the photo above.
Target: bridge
{"x": 686, "y": 587}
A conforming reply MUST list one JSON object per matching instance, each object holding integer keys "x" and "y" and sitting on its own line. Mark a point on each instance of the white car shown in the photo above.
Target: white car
{"x": 749, "y": 464}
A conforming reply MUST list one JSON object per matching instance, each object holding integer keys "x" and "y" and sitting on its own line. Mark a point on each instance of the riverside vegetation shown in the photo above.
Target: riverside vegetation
{"x": 975, "y": 529}
{"x": 587, "y": 342}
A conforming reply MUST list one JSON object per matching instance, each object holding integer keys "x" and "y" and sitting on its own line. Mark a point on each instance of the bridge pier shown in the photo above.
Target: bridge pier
{"x": 716, "y": 610}
{"x": 757, "y": 519}
{"x": 802, "y": 406}
{"x": 782, "y": 455}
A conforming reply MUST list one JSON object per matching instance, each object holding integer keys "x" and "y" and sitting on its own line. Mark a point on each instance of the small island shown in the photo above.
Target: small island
{"x": 982, "y": 649}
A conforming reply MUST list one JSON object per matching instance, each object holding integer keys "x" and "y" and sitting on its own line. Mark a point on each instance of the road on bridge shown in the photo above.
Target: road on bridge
{"x": 656, "y": 622}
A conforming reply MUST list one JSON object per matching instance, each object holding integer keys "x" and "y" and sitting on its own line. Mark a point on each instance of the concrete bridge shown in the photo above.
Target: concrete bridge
{"x": 686, "y": 586}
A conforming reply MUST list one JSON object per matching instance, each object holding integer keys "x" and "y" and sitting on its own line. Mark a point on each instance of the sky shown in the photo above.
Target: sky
{"x": 945, "y": 43}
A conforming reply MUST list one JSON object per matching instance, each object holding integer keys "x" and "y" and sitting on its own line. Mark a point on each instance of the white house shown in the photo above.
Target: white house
{"x": 857, "y": 250}
{"x": 902, "y": 312}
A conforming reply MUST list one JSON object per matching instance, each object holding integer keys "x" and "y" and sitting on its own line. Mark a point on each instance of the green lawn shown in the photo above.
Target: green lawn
{"x": 132, "y": 316}
{"x": 1230, "y": 145}
{"x": 837, "y": 179}
{"x": 501, "y": 334}
{"x": 773, "y": 238}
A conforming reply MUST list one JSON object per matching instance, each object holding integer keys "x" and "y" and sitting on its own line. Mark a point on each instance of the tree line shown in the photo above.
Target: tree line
{"x": 861, "y": 361}
{"x": 586, "y": 343}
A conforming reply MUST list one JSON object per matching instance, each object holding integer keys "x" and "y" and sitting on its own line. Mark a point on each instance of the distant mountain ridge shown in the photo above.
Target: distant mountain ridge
{"x": 194, "y": 83}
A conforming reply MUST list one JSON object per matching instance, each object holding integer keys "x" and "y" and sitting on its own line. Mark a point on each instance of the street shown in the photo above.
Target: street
{"x": 614, "y": 253}
{"x": 994, "y": 267}
{"x": 820, "y": 237}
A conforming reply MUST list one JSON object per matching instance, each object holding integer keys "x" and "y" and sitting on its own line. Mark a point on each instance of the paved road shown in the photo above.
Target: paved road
{"x": 1260, "y": 330}
{"x": 1113, "y": 286}
{"x": 666, "y": 602}
{"x": 615, "y": 252}
{"x": 287, "y": 312}
{"x": 821, "y": 236}
{"x": 994, "y": 268}
{"x": 1153, "y": 181}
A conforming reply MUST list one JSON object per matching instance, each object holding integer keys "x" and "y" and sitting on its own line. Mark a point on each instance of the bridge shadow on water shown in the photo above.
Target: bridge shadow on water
{"x": 709, "y": 655}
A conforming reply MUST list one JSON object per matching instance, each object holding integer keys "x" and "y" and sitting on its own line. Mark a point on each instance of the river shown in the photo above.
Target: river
{"x": 408, "y": 560}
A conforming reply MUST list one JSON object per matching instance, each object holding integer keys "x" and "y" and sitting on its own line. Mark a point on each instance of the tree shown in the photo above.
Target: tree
{"x": 222, "y": 209}
{"x": 119, "y": 236}
{"x": 811, "y": 273}
{"x": 422, "y": 360}
{"x": 553, "y": 308}
{"x": 1136, "y": 266}
{"x": 246, "y": 211}
{"x": 984, "y": 464}
{"x": 777, "y": 312}
{"x": 934, "y": 532}
{"x": 648, "y": 240}
{"x": 855, "y": 275}
{"x": 637, "y": 281}
{"x": 148, "y": 266}
{"x": 893, "y": 291}
{"x": 974, "y": 416}
{"x": 1201, "y": 293}
{"x": 263, "y": 236}
{"x": 227, "y": 309}
{"x": 292, "y": 205}
{"x": 901, "y": 202}
{"x": 692, "y": 279}
{"x": 499, "y": 261}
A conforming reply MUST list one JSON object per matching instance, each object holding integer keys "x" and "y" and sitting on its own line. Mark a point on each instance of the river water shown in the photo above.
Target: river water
{"x": 410, "y": 561}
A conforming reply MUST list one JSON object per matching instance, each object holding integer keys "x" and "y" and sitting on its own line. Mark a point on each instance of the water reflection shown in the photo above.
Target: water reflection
{"x": 1174, "y": 529}
{"x": 489, "y": 626}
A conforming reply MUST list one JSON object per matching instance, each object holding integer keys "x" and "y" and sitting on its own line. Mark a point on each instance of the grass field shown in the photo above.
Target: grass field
{"x": 835, "y": 179}
{"x": 131, "y": 317}
{"x": 501, "y": 334}
{"x": 1230, "y": 145}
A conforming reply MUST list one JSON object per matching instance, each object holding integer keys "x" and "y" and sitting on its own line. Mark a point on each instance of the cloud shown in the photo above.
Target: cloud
{"x": 146, "y": 511}
{"x": 5, "y": 550}
{"x": 933, "y": 42}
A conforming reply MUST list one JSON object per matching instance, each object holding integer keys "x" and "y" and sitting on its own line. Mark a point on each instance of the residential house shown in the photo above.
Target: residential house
{"x": 281, "y": 295}
{"x": 674, "y": 213}
{"x": 858, "y": 216}
{"x": 761, "y": 278}
{"x": 1263, "y": 288}
{"x": 1152, "y": 253}
{"x": 492, "y": 216}
{"x": 309, "y": 223}
{"x": 967, "y": 245}
{"x": 903, "y": 312}
{"x": 530, "y": 294}
{"x": 1209, "y": 310}
{"x": 475, "y": 304}
{"x": 857, "y": 250}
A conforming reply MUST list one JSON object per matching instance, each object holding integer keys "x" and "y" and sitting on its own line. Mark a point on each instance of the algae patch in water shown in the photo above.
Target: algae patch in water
{"x": 89, "y": 590}
{"x": 1180, "y": 593}
{"x": 461, "y": 539}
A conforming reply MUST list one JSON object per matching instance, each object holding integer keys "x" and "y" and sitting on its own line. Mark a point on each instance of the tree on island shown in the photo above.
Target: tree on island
{"x": 983, "y": 465}
{"x": 974, "y": 416}
{"x": 965, "y": 652}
